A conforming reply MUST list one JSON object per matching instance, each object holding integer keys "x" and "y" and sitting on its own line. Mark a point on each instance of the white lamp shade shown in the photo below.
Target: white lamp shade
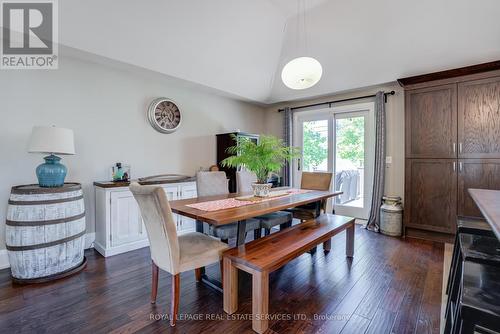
{"x": 47, "y": 139}
{"x": 301, "y": 73}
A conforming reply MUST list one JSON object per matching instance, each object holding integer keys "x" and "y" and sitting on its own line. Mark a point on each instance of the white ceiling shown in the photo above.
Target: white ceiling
{"x": 240, "y": 46}
{"x": 290, "y": 8}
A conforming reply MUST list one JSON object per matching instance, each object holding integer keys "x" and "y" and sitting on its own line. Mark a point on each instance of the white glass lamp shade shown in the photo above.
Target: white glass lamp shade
{"x": 301, "y": 73}
{"x": 45, "y": 139}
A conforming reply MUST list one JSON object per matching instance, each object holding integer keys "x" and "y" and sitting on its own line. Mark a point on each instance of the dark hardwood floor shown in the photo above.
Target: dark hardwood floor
{"x": 391, "y": 285}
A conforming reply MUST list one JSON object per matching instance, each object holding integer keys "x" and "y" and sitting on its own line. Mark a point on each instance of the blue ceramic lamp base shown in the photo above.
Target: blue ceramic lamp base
{"x": 51, "y": 173}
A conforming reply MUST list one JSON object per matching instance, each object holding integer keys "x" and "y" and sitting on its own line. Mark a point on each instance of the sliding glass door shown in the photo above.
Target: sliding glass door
{"x": 314, "y": 133}
{"x": 339, "y": 140}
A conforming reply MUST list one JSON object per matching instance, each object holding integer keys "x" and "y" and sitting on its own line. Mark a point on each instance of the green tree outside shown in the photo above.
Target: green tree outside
{"x": 351, "y": 140}
{"x": 350, "y": 143}
{"x": 314, "y": 149}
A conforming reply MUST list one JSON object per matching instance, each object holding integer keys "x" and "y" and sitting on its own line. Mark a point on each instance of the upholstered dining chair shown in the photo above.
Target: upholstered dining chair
{"x": 214, "y": 184}
{"x": 312, "y": 181}
{"x": 244, "y": 180}
{"x": 170, "y": 252}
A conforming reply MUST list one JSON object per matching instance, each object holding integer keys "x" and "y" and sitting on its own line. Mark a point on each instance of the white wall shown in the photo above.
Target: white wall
{"x": 106, "y": 105}
{"x": 394, "y": 184}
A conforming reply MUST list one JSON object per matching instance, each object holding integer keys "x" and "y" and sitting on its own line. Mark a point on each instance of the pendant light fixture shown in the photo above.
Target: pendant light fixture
{"x": 301, "y": 72}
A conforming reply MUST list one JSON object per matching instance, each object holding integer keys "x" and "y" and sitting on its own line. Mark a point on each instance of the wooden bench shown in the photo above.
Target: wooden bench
{"x": 263, "y": 256}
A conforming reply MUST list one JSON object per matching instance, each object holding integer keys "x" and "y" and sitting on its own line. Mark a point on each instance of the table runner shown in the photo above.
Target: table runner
{"x": 229, "y": 203}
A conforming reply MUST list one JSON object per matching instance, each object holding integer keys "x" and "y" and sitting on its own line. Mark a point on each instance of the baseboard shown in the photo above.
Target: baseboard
{"x": 4, "y": 257}
{"x": 429, "y": 235}
{"x": 120, "y": 249}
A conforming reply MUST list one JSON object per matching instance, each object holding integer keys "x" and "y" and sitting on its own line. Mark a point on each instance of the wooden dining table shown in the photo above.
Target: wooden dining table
{"x": 240, "y": 214}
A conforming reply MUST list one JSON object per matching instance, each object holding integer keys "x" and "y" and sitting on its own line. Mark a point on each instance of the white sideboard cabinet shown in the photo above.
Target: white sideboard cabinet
{"x": 119, "y": 226}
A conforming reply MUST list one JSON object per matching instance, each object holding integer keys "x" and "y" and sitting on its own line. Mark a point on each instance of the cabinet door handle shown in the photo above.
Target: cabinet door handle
{"x": 454, "y": 148}
{"x": 460, "y": 148}
{"x": 454, "y": 166}
{"x": 460, "y": 166}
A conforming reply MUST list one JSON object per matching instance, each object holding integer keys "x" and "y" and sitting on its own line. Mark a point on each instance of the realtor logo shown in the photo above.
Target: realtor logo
{"x": 29, "y": 34}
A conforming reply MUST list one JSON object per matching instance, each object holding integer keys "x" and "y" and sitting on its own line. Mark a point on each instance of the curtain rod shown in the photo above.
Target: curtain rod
{"x": 329, "y": 103}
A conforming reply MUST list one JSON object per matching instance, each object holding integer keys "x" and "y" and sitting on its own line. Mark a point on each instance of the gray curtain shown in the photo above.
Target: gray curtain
{"x": 286, "y": 172}
{"x": 379, "y": 170}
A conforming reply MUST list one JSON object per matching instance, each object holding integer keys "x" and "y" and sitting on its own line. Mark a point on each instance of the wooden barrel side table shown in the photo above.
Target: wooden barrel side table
{"x": 45, "y": 232}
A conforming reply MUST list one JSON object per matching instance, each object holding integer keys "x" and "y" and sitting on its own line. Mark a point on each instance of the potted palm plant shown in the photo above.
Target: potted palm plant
{"x": 265, "y": 157}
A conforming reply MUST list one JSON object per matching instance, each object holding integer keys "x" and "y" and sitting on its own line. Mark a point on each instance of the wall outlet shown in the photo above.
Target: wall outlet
{"x": 388, "y": 160}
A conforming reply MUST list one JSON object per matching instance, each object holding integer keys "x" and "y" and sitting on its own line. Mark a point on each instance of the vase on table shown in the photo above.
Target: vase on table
{"x": 261, "y": 189}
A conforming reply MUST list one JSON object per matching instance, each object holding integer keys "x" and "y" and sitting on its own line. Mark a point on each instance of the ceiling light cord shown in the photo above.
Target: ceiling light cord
{"x": 297, "y": 34}
{"x": 303, "y": 71}
{"x": 301, "y": 37}
{"x": 306, "y": 46}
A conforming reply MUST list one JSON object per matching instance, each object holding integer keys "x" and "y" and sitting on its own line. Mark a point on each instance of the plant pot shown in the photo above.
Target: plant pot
{"x": 261, "y": 189}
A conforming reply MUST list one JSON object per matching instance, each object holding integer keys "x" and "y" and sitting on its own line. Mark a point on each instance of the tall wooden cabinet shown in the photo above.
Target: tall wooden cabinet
{"x": 475, "y": 173}
{"x": 430, "y": 200}
{"x": 479, "y": 118}
{"x": 224, "y": 141}
{"x": 431, "y": 122}
{"x": 452, "y": 143}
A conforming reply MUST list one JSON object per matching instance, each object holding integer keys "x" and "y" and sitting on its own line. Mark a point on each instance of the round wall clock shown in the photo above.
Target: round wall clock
{"x": 164, "y": 115}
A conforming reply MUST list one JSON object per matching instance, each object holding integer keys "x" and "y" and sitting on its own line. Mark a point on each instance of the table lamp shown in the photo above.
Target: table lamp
{"x": 51, "y": 140}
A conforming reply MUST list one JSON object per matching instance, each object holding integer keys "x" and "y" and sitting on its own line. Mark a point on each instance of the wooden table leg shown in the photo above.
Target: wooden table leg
{"x": 349, "y": 246}
{"x": 199, "y": 228}
{"x": 317, "y": 213}
{"x": 327, "y": 245}
{"x": 230, "y": 287}
{"x": 240, "y": 238}
{"x": 260, "y": 301}
{"x": 317, "y": 208}
{"x": 197, "y": 274}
